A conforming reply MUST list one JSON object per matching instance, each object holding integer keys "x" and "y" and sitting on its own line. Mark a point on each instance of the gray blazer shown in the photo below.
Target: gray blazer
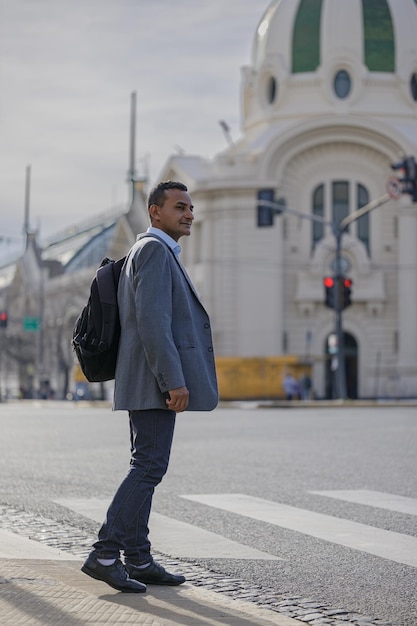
{"x": 165, "y": 338}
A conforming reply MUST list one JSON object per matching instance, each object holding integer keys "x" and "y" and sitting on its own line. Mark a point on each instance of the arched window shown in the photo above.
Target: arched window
{"x": 318, "y": 209}
{"x": 379, "y": 36}
{"x": 340, "y": 200}
{"x": 271, "y": 90}
{"x": 306, "y": 37}
{"x": 363, "y": 221}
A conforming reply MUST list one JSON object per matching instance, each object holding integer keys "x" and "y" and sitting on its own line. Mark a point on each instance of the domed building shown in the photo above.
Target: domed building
{"x": 329, "y": 102}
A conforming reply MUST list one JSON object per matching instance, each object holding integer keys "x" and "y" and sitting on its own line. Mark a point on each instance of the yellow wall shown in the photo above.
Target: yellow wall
{"x": 256, "y": 377}
{"x": 247, "y": 378}
{"x": 78, "y": 375}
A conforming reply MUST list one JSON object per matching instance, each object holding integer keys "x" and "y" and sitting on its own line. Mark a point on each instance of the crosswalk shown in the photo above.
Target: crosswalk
{"x": 377, "y": 499}
{"x": 383, "y": 543}
{"x": 173, "y": 537}
{"x": 186, "y": 540}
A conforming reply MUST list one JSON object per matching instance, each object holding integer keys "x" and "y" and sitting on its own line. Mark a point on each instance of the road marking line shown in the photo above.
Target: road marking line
{"x": 382, "y": 543}
{"x": 377, "y": 499}
{"x": 175, "y": 538}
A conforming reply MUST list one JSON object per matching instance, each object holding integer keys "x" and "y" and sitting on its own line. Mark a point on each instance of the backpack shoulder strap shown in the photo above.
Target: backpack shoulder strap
{"x": 107, "y": 278}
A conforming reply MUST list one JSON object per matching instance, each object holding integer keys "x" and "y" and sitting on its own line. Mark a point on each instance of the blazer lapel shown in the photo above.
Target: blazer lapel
{"x": 184, "y": 271}
{"x": 177, "y": 259}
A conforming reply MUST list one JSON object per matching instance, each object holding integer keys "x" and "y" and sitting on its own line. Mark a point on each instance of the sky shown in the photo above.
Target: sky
{"x": 67, "y": 71}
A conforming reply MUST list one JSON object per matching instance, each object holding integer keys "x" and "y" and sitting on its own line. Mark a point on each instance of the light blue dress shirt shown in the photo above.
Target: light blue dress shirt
{"x": 175, "y": 247}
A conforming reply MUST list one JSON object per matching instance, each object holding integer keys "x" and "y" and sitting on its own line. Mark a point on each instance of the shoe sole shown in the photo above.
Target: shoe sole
{"x": 158, "y": 582}
{"x": 150, "y": 582}
{"x": 93, "y": 574}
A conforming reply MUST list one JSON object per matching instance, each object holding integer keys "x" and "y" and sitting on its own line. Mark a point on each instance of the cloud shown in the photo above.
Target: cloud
{"x": 66, "y": 73}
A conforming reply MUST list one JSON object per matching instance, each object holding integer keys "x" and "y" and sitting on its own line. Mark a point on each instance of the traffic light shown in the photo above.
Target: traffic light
{"x": 347, "y": 290}
{"x": 408, "y": 171}
{"x": 3, "y": 319}
{"x": 329, "y": 291}
{"x": 265, "y": 213}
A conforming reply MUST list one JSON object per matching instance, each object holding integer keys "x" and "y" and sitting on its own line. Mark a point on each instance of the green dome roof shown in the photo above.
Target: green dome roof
{"x": 304, "y": 18}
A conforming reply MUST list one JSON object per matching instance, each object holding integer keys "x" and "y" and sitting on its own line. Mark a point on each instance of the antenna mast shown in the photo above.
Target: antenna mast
{"x": 26, "y": 223}
{"x": 131, "y": 174}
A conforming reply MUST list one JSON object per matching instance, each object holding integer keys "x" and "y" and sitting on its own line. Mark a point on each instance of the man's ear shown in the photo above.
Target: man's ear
{"x": 154, "y": 212}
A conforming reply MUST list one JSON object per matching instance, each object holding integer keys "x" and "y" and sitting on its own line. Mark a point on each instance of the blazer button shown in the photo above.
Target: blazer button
{"x": 206, "y": 325}
{"x": 210, "y": 349}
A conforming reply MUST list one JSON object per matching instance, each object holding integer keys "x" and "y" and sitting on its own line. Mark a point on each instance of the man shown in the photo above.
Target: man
{"x": 290, "y": 387}
{"x": 165, "y": 365}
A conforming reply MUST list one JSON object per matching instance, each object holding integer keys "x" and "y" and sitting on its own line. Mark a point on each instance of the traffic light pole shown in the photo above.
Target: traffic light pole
{"x": 338, "y": 309}
{"x": 338, "y": 231}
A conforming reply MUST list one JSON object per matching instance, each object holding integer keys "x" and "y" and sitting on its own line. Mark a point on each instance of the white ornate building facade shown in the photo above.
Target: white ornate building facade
{"x": 329, "y": 102}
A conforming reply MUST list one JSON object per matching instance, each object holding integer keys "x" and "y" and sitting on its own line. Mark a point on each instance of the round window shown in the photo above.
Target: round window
{"x": 271, "y": 90}
{"x": 342, "y": 84}
{"x": 413, "y": 85}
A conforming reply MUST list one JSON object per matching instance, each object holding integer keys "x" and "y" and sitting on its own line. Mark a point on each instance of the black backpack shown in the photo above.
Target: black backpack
{"x": 96, "y": 333}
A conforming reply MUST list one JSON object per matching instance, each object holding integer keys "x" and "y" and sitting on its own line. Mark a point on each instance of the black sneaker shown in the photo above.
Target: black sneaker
{"x": 114, "y": 575}
{"x": 154, "y": 574}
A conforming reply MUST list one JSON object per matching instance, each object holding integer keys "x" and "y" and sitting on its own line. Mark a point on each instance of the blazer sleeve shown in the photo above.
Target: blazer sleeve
{"x": 153, "y": 288}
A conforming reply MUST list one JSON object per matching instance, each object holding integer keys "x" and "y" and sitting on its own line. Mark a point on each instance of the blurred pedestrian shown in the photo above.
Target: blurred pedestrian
{"x": 291, "y": 387}
{"x": 305, "y": 387}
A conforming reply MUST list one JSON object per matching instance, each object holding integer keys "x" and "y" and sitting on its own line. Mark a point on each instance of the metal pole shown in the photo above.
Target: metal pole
{"x": 338, "y": 232}
{"x": 341, "y": 366}
{"x": 26, "y": 224}
{"x": 131, "y": 174}
{"x": 132, "y": 155}
{"x": 1, "y": 367}
{"x": 352, "y": 217}
{"x": 41, "y": 336}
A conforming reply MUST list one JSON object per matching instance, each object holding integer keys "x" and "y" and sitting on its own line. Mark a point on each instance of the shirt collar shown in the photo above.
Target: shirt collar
{"x": 175, "y": 247}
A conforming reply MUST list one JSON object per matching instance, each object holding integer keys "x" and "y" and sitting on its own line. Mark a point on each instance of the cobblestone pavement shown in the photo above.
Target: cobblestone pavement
{"x": 68, "y": 538}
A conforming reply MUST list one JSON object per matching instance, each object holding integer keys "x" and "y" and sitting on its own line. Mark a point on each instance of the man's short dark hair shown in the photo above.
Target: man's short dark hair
{"x": 157, "y": 195}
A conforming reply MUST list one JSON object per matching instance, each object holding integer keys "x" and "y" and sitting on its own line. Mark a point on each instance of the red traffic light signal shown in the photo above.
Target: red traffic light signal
{"x": 347, "y": 285}
{"x": 3, "y": 319}
{"x": 329, "y": 291}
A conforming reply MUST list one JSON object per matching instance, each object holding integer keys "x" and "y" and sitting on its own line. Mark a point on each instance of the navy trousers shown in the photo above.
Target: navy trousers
{"x": 126, "y": 525}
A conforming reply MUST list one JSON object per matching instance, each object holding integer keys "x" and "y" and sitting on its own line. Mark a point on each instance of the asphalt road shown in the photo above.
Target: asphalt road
{"x": 353, "y": 549}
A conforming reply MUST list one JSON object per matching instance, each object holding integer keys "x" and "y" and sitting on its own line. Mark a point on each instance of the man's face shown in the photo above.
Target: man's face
{"x": 175, "y": 216}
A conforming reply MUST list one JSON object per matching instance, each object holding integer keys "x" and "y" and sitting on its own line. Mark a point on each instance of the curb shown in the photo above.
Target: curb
{"x": 42, "y": 585}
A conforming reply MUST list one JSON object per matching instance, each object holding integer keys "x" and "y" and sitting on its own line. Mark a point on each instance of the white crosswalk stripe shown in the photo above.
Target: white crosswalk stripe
{"x": 382, "y": 543}
{"x": 186, "y": 540}
{"x": 377, "y": 499}
{"x": 173, "y": 537}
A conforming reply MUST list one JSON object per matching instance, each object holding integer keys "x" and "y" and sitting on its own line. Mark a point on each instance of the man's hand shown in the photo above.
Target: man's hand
{"x": 178, "y": 399}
